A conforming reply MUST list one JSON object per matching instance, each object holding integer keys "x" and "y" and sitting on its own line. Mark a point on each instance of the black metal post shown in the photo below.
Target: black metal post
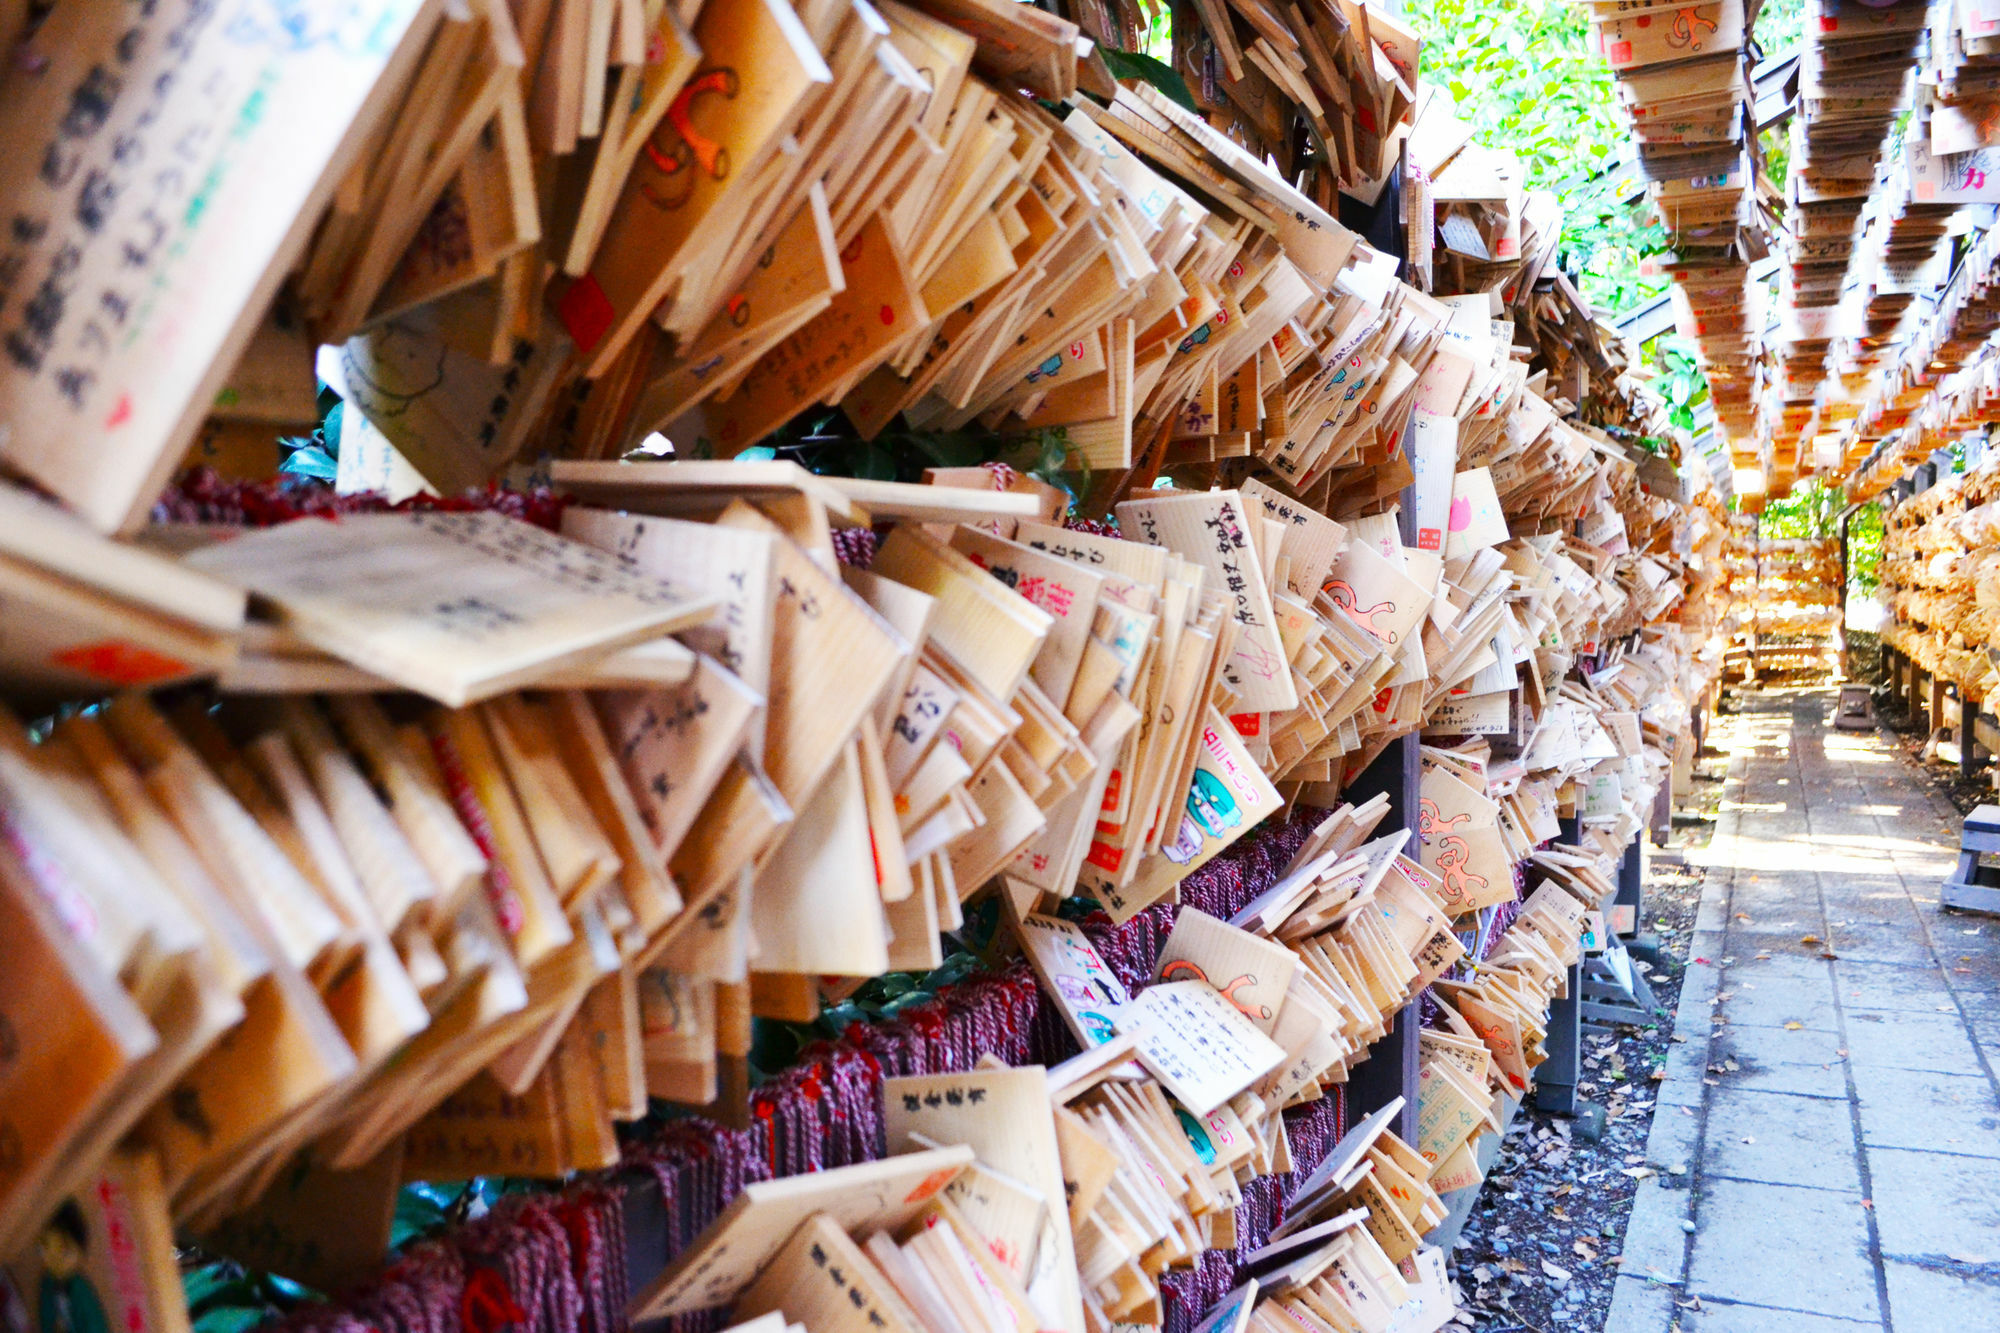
{"x": 1556, "y": 1077}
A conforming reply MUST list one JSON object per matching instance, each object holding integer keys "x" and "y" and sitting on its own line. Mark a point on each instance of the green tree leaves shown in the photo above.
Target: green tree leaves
{"x": 1524, "y": 76}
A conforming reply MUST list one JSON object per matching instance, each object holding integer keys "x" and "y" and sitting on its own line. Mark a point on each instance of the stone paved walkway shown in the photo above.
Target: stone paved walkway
{"x": 1827, "y": 1139}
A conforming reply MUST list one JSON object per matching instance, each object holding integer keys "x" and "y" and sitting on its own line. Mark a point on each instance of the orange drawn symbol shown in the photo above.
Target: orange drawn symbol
{"x": 1183, "y": 970}
{"x": 931, "y": 1184}
{"x": 692, "y": 147}
{"x": 1430, "y": 820}
{"x": 1453, "y": 855}
{"x": 1683, "y": 33}
{"x": 1343, "y": 597}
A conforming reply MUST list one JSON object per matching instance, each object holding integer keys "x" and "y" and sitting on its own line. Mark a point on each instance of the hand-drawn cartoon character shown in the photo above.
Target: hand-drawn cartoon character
{"x": 1342, "y": 593}
{"x": 689, "y": 146}
{"x": 1048, "y": 367}
{"x": 1683, "y": 33}
{"x": 1097, "y": 984}
{"x": 1186, "y": 844}
{"x": 67, "y": 1302}
{"x": 1197, "y": 1134}
{"x": 1211, "y": 810}
{"x": 1452, "y": 858}
{"x": 1182, "y": 969}
{"x": 1199, "y": 338}
{"x": 1097, "y": 1027}
{"x": 1086, "y": 1002}
{"x": 1430, "y": 819}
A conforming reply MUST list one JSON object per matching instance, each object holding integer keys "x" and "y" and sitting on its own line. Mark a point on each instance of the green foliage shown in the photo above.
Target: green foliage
{"x": 1680, "y": 380}
{"x": 775, "y": 1045}
{"x": 1159, "y": 37}
{"x": 1811, "y": 511}
{"x": 1148, "y": 69}
{"x": 316, "y": 456}
{"x": 1777, "y": 149}
{"x": 223, "y": 1298}
{"x": 1523, "y": 75}
{"x": 1780, "y": 26}
{"x": 1864, "y": 548}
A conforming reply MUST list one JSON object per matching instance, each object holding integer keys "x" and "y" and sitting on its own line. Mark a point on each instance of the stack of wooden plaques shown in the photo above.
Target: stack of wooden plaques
{"x": 1062, "y": 1197}
{"x": 1943, "y": 378}
{"x": 1684, "y": 85}
{"x": 1938, "y": 572}
{"x": 434, "y": 842}
{"x": 1855, "y": 77}
{"x": 1786, "y": 602}
{"x": 1293, "y": 1017}
{"x": 1342, "y": 71}
{"x": 1321, "y": 1271}
{"x": 1915, "y": 295}
{"x": 573, "y": 224}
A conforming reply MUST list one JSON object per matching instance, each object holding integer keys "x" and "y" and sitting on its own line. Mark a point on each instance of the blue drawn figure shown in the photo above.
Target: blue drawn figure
{"x": 1198, "y": 338}
{"x": 351, "y": 27}
{"x": 1197, "y": 1134}
{"x": 1211, "y": 811}
{"x": 1048, "y": 367}
{"x": 1100, "y": 1028}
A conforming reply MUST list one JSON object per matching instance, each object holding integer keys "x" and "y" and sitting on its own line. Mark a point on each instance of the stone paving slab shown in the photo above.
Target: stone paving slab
{"x": 1806, "y": 1064}
{"x": 1932, "y": 1207}
{"x": 1925, "y": 1111}
{"x": 1782, "y": 1245}
{"x": 1928, "y": 1299}
{"x": 1918, "y": 988}
{"x": 1845, "y": 1172}
{"x": 1779, "y": 1138}
{"x": 1933, "y": 1042}
{"x": 1718, "y": 1318}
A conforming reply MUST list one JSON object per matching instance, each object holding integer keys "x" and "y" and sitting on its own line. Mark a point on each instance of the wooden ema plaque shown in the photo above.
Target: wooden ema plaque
{"x": 133, "y": 291}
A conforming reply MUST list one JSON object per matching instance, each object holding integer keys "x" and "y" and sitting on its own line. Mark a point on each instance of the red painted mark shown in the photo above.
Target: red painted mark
{"x": 586, "y": 312}
{"x": 120, "y": 663}
{"x": 931, "y": 1184}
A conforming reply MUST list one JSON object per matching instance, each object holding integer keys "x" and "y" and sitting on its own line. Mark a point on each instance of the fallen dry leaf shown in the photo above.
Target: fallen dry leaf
{"x": 1793, "y": 1027}
{"x": 1810, "y": 939}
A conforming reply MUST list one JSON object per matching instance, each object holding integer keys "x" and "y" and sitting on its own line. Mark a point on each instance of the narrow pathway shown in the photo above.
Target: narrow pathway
{"x": 1825, "y": 1152}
